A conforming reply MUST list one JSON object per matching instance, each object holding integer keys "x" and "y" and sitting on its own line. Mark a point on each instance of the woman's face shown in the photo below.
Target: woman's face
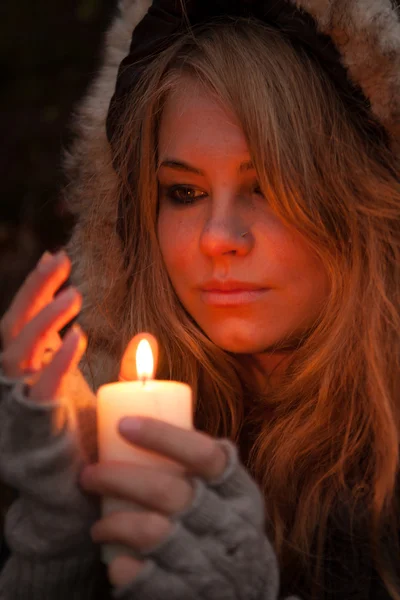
{"x": 209, "y": 196}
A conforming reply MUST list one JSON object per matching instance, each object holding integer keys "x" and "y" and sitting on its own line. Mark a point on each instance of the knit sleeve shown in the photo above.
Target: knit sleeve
{"x": 217, "y": 549}
{"x": 47, "y": 527}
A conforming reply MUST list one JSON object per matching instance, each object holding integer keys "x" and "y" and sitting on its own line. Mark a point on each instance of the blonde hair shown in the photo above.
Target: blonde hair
{"x": 328, "y": 435}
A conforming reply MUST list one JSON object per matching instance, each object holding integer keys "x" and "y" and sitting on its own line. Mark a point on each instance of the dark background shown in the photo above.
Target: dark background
{"x": 49, "y": 52}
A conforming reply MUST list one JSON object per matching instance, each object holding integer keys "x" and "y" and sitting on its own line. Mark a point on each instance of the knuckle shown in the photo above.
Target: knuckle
{"x": 160, "y": 492}
{"x": 153, "y": 529}
{"x": 171, "y": 493}
{"x": 210, "y": 456}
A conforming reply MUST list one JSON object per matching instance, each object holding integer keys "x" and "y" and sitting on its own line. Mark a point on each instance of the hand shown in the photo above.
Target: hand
{"x": 42, "y": 451}
{"x": 172, "y": 499}
{"x": 163, "y": 493}
{"x": 32, "y": 347}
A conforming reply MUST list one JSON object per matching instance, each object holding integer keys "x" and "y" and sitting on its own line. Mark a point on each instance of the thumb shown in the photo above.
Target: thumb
{"x": 128, "y": 371}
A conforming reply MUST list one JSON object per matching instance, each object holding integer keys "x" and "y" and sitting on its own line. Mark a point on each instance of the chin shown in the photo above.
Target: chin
{"x": 236, "y": 340}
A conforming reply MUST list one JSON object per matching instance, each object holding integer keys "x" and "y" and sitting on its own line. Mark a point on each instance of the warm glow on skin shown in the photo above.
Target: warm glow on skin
{"x": 201, "y": 241}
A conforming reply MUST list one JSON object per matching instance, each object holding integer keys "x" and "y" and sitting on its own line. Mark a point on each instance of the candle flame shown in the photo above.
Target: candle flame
{"x": 144, "y": 360}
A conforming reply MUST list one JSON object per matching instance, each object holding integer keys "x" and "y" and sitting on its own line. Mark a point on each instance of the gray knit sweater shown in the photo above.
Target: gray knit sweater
{"x": 217, "y": 551}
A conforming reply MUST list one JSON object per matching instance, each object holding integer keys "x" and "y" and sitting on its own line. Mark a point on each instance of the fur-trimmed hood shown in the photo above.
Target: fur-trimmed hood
{"x": 365, "y": 32}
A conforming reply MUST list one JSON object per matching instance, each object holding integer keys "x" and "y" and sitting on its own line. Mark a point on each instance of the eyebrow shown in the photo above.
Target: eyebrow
{"x": 179, "y": 165}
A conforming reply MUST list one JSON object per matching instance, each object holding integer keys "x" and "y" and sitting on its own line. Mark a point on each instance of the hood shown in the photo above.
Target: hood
{"x": 366, "y": 34}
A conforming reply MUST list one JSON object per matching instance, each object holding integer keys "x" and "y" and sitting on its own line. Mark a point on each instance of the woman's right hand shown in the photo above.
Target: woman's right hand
{"x": 29, "y": 330}
{"x": 43, "y": 446}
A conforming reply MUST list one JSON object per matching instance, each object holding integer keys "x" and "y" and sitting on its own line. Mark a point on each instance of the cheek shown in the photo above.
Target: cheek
{"x": 308, "y": 277}
{"x": 177, "y": 240}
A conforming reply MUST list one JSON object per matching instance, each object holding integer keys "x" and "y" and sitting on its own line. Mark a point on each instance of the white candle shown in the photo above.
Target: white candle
{"x": 170, "y": 401}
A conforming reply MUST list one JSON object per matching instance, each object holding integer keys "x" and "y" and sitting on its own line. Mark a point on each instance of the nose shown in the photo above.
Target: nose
{"x": 221, "y": 238}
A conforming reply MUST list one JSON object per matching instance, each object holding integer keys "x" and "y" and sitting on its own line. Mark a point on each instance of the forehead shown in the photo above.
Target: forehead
{"x": 194, "y": 121}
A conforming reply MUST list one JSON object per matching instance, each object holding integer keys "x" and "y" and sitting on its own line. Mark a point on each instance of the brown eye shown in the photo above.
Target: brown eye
{"x": 183, "y": 194}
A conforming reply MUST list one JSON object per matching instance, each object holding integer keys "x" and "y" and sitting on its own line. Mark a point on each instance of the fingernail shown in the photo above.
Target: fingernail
{"x": 66, "y": 296}
{"x": 45, "y": 262}
{"x": 60, "y": 256}
{"x": 77, "y": 331}
{"x": 45, "y": 258}
{"x": 73, "y": 333}
{"x": 130, "y": 426}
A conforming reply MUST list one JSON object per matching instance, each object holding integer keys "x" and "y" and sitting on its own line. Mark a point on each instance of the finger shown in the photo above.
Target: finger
{"x": 170, "y": 546}
{"x": 45, "y": 349}
{"x": 154, "y": 489}
{"x": 138, "y": 530}
{"x": 128, "y": 370}
{"x": 49, "y": 384}
{"x": 37, "y": 291}
{"x": 123, "y": 570}
{"x": 198, "y": 452}
{"x": 24, "y": 352}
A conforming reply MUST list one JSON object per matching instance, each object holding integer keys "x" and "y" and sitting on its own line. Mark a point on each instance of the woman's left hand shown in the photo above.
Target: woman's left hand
{"x": 164, "y": 493}
{"x": 201, "y": 534}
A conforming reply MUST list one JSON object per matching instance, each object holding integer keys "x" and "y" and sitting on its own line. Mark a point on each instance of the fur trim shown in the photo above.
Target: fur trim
{"x": 367, "y": 35}
{"x": 92, "y": 192}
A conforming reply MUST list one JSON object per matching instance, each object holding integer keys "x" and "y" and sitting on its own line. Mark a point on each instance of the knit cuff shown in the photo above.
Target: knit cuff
{"x": 217, "y": 548}
{"x": 41, "y": 458}
{"x": 233, "y": 495}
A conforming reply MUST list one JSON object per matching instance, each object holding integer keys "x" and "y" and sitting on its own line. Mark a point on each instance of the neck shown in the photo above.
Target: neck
{"x": 270, "y": 367}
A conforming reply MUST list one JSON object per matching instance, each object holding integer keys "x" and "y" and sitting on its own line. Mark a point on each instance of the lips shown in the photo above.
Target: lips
{"x": 234, "y": 297}
{"x": 229, "y": 285}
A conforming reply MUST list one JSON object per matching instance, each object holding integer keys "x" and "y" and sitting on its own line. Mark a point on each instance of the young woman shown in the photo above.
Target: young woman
{"x": 245, "y": 209}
